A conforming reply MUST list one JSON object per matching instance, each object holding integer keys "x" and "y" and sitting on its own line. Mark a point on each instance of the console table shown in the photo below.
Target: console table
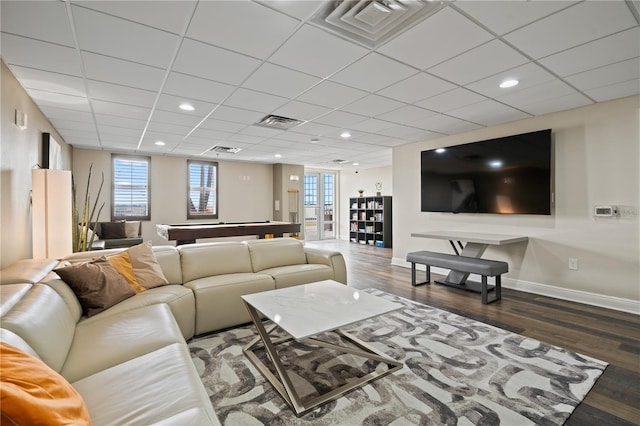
{"x": 476, "y": 244}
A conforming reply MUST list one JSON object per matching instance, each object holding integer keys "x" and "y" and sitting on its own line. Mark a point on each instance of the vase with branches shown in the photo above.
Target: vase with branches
{"x": 84, "y": 223}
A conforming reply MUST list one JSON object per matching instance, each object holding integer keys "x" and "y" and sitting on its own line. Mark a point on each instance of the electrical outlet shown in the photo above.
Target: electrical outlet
{"x": 573, "y": 263}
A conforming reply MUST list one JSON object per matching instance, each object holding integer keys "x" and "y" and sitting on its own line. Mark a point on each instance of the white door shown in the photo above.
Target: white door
{"x": 319, "y": 206}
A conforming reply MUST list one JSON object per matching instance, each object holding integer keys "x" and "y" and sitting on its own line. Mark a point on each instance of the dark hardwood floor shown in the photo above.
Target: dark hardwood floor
{"x": 608, "y": 335}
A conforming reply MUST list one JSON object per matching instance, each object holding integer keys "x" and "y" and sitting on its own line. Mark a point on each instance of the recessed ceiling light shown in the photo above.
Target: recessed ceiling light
{"x": 509, "y": 83}
{"x": 356, "y": 164}
{"x": 160, "y": 143}
{"x": 345, "y": 135}
{"x": 278, "y": 155}
{"x": 496, "y": 164}
{"x": 186, "y": 107}
{"x": 440, "y": 150}
{"x": 315, "y": 140}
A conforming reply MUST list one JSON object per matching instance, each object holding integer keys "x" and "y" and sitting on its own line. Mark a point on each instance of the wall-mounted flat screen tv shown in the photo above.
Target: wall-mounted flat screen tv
{"x": 508, "y": 175}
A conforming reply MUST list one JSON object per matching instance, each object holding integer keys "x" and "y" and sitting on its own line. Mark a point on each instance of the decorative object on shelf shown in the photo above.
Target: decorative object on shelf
{"x": 361, "y": 192}
{"x": 378, "y": 189}
{"x": 83, "y": 224}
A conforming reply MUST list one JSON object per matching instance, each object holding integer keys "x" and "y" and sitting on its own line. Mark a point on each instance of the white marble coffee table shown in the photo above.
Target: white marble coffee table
{"x": 307, "y": 310}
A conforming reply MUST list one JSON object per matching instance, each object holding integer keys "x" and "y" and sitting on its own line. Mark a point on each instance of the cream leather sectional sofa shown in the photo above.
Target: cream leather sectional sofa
{"x": 130, "y": 363}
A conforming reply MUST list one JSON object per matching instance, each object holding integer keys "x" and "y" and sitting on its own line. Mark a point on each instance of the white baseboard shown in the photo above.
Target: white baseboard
{"x": 593, "y": 299}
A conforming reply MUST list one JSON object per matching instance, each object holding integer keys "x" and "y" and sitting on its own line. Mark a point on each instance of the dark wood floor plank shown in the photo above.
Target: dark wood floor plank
{"x": 609, "y": 335}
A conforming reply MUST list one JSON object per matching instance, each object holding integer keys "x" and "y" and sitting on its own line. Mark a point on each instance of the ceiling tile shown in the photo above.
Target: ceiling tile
{"x": 372, "y": 105}
{"x": 504, "y": 16}
{"x": 213, "y": 63}
{"x": 221, "y": 23}
{"x": 373, "y": 72}
{"x": 417, "y": 87}
{"x": 488, "y": 113}
{"x": 340, "y": 119}
{"x": 186, "y": 120}
{"x": 121, "y": 110}
{"x": 172, "y": 103}
{"x": 110, "y": 132}
{"x": 40, "y": 55}
{"x": 310, "y": 128}
{"x": 614, "y": 91}
{"x": 112, "y": 120}
{"x": 173, "y": 129}
{"x": 66, "y": 114}
{"x": 32, "y": 19}
{"x": 316, "y": 52}
{"x": 48, "y": 81}
{"x": 187, "y": 86}
{"x": 400, "y": 131}
{"x": 255, "y": 101}
{"x": 260, "y": 131}
{"x": 120, "y": 94}
{"x": 406, "y": 114}
{"x": 617, "y": 47}
{"x": 107, "y": 35}
{"x": 166, "y": 15}
{"x": 280, "y": 81}
{"x": 331, "y": 95}
{"x": 545, "y": 98}
{"x": 236, "y": 115}
{"x": 301, "y": 110}
{"x": 445, "y": 124}
{"x": 452, "y": 99}
{"x": 222, "y": 126}
{"x": 572, "y": 26}
{"x": 413, "y": 47}
{"x": 528, "y": 75}
{"x": 119, "y": 71}
{"x": 483, "y": 61}
{"x": 73, "y": 125}
{"x": 372, "y": 125}
{"x": 301, "y": 9}
{"x": 612, "y": 74}
{"x": 49, "y": 99}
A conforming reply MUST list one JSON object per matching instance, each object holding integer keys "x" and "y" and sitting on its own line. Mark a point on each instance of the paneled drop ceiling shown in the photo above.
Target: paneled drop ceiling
{"x": 111, "y": 75}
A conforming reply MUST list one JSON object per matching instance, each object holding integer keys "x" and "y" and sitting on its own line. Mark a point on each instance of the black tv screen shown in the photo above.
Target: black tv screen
{"x": 508, "y": 175}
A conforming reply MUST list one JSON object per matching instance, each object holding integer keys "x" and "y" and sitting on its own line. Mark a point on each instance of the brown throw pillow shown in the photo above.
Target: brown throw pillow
{"x": 146, "y": 267}
{"x": 109, "y": 230}
{"x": 96, "y": 284}
{"x": 34, "y": 394}
{"x": 123, "y": 265}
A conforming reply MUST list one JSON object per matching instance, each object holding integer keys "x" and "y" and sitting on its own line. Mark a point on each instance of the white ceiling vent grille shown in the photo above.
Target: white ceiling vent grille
{"x": 372, "y": 22}
{"x": 225, "y": 149}
{"x": 339, "y": 161}
{"x": 278, "y": 122}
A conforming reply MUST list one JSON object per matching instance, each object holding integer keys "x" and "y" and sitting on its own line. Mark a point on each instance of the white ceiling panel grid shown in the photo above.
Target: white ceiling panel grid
{"x": 112, "y": 74}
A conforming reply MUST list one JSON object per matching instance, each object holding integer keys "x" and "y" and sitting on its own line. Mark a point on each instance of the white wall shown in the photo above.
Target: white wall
{"x": 351, "y": 182}
{"x": 20, "y": 151}
{"x": 245, "y": 190}
{"x": 596, "y": 162}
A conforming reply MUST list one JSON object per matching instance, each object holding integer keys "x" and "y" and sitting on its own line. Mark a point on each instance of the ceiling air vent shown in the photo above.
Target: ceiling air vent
{"x": 225, "y": 149}
{"x": 278, "y": 122}
{"x": 339, "y": 161}
{"x": 372, "y": 22}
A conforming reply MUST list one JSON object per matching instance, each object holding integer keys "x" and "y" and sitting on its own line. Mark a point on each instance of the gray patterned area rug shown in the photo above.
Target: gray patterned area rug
{"x": 457, "y": 371}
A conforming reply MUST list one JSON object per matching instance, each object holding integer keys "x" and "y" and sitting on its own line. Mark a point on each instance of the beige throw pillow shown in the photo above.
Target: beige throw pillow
{"x": 147, "y": 269}
{"x": 131, "y": 229}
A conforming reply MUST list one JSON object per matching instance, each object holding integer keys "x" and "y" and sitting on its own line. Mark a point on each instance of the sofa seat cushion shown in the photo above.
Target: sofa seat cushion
{"x": 287, "y": 276}
{"x": 218, "y": 302}
{"x": 158, "y": 387}
{"x": 180, "y": 300}
{"x": 118, "y": 338}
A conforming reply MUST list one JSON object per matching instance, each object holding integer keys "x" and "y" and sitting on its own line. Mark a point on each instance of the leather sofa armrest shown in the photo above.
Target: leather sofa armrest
{"x": 334, "y": 259}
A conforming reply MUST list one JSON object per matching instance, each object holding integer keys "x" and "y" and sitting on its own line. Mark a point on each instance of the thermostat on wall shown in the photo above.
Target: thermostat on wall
{"x": 604, "y": 211}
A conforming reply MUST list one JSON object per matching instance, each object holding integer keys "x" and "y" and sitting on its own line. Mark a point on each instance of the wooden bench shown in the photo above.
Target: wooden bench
{"x": 484, "y": 267}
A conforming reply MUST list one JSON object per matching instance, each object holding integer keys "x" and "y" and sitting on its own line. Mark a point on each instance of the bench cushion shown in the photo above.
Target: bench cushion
{"x": 472, "y": 265}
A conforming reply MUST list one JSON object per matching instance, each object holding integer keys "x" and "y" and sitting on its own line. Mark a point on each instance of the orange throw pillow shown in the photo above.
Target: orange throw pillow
{"x": 34, "y": 394}
{"x": 123, "y": 265}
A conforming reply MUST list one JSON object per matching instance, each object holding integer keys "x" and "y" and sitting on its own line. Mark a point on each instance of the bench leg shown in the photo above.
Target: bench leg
{"x": 497, "y": 290}
{"x": 413, "y": 275}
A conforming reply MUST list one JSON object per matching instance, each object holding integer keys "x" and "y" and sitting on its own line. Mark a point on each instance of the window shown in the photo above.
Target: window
{"x": 310, "y": 190}
{"x": 130, "y": 198}
{"x": 203, "y": 190}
